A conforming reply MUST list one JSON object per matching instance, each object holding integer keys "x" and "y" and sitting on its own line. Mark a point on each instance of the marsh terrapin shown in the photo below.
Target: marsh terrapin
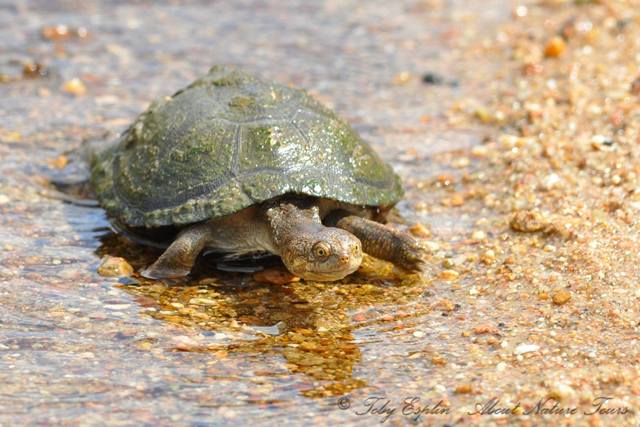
{"x": 242, "y": 165}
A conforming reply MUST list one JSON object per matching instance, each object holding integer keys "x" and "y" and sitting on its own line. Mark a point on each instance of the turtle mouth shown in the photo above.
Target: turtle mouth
{"x": 333, "y": 273}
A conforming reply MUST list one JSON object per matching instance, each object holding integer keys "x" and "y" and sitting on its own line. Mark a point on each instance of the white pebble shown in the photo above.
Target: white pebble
{"x": 432, "y": 246}
{"x": 526, "y": 348}
{"x": 478, "y": 235}
{"x": 551, "y": 181}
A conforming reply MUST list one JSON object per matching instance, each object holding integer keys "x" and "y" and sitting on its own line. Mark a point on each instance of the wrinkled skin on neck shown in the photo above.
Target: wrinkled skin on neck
{"x": 309, "y": 249}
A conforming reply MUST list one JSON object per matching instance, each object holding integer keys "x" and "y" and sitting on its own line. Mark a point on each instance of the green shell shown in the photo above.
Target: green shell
{"x": 228, "y": 141}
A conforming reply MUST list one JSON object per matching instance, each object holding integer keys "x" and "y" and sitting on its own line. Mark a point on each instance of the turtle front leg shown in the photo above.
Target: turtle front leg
{"x": 385, "y": 243}
{"x": 180, "y": 256}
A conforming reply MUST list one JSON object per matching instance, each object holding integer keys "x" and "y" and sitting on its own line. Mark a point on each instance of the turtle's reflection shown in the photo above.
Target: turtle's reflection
{"x": 306, "y": 323}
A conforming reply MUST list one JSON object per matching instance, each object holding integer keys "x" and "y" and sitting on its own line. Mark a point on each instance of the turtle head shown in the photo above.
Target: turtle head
{"x": 322, "y": 253}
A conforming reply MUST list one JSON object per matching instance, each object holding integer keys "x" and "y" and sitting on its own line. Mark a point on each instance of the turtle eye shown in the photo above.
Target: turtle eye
{"x": 355, "y": 248}
{"x": 321, "y": 250}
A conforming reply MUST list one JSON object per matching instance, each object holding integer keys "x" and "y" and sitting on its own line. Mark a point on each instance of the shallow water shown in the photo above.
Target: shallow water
{"x": 220, "y": 349}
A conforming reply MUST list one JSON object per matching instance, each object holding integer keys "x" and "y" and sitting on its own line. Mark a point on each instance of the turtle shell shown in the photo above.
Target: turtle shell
{"x": 228, "y": 141}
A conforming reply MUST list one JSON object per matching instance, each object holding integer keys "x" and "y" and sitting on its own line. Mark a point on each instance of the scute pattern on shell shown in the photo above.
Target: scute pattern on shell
{"x": 228, "y": 141}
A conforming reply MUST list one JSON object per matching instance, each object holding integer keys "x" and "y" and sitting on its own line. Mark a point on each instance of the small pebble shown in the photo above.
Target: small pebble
{"x": 432, "y": 79}
{"x": 555, "y": 47}
{"x": 483, "y": 115}
{"x": 448, "y": 263}
{"x": 520, "y": 11}
{"x": 75, "y": 87}
{"x": 449, "y": 275}
{"x": 59, "y": 162}
{"x": 488, "y": 257}
{"x": 445, "y": 305}
{"x": 561, "y": 392}
{"x": 601, "y": 142}
{"x": 463, "y": 389}
{"x": 144, "y": 345}
{"x": 561, "y": 297}
{"x": 635, "y": 87}
{"x": 402, "y": 78}
{"x": 32, "y": 70}
{"x": 359, "y": 317}
{"x": 457, "y": 200}
{"x": 527, "y": 221}
{"x": 275, "y": 276}
{"x": 551, "y": 181}
{"x": 420, "y": 230}
{"x": 446, "y": 179}
{"x": 309, "y": 346}
{"x": 478, "y": 235}
{"x": 114, "y": 267}
{"x": 431, "y": 245}
{"x": 479, "y": 151}
{"x": 122, "y": 306}
{"x": 184, "y": 343}
{"x": 57, "y": 32}
{"x": 485, "y": 329}
{"x": 461, "y": 162}
{"x": 62, "y": 32}
{"x": 438, "y": 360}
{"x": 526, "y": 348}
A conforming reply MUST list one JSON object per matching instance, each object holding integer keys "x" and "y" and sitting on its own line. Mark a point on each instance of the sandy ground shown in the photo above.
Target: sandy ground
{"x": 515, "y": 129}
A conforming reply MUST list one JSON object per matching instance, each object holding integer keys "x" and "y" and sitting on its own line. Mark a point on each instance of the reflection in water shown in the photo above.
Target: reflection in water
{"x": 308, "y": 324}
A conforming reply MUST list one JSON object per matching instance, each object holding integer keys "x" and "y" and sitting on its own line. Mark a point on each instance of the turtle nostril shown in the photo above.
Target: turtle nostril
{"x": 344, "y": 259}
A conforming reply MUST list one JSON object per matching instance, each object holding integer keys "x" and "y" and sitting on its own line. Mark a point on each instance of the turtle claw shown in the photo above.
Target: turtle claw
{"x": 156, "y": 272}
{"x": 410, "y": 255}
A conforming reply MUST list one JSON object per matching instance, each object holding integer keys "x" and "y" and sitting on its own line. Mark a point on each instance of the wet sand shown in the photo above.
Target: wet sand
{"x": 515, "y": 129}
